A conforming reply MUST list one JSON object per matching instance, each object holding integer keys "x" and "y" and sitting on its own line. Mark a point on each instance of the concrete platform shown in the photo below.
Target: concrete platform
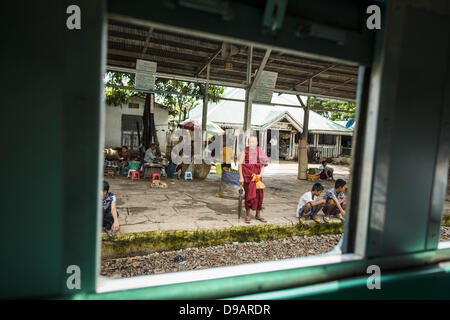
{"x": 192, "y": 205}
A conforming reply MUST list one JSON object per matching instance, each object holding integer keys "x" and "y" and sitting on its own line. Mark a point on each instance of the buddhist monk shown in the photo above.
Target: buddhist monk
{"x": 251, "y": 166}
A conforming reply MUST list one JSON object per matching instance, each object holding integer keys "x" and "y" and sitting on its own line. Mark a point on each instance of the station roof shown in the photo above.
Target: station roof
{"x": 230, "y": 114}
{"x": 187, "y": 55}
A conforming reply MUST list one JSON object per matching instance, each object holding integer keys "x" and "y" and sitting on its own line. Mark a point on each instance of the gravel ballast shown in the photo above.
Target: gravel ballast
{"x": 224, "y": 255}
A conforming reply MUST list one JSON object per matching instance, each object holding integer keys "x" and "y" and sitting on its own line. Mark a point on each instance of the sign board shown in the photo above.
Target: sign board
{"x": 268, "y": 79}
{"x": 145, "y": 81}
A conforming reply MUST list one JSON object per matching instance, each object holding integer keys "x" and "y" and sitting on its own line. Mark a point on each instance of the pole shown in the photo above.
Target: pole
{"x": 248, "y": 96}
{"x": 303, "y": 143}
{"x": 205, "y": 109}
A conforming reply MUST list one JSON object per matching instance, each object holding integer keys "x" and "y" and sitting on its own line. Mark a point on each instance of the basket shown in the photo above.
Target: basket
{"x": 201, "y": 171}
{"x": 313, "y": 177}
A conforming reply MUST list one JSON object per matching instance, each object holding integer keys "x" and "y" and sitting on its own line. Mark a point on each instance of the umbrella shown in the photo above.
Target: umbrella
{"x": 197, "y": 124}
{"x": 240, "y": 204}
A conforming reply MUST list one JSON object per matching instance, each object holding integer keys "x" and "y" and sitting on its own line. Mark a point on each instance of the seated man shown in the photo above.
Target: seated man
{"x": 110, "y": 214}
{"x": 124, "y": 157}
{"x": 308, "y": 205}
{"x": 326, "y": 172}
{"x": 150, "y": 155}
{"x": 335, "y": 201}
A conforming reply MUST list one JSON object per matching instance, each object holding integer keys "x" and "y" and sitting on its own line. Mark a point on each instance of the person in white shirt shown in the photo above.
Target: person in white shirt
{"x": 308, "y": 205}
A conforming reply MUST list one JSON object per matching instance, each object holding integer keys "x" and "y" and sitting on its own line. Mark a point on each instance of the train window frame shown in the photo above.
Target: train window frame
{"x": 266, "y": 276}
{"x": 301, "y": 264}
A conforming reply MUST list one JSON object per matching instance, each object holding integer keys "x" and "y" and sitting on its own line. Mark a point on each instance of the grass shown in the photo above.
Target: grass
{"x": 127, "y": 245}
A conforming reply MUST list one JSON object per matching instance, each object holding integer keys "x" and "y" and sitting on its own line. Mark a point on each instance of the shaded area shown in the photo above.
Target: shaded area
{"x": 194, "y": 205}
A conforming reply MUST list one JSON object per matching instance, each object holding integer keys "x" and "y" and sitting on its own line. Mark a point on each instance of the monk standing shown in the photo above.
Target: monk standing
{"x": 251, "y": 167}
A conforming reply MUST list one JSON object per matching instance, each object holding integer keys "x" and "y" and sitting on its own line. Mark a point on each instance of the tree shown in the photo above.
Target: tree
{"x": 117, "y": 96}
{"x": 178, "y": 105}
{"x": 334, "y": 105}
{"x": 181, "y": 105}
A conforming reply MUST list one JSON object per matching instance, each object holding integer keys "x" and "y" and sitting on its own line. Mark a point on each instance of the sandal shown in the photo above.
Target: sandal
{"x": 326, "y": 218}
{"x": 247, "y": 219}
{"x": 301, "y": 221}
{"x": 261, "y": 219}
{"x": 111, "y": 234}
{"x": 316, "y": 219}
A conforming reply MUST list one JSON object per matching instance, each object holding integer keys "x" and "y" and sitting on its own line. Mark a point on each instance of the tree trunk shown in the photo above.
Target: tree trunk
{"x": 153, "y": 136}
{"x": 146, "y": 120}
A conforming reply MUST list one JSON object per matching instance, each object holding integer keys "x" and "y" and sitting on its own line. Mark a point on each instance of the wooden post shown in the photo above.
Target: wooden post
{"x": 291, "y": 146}
{"x": 263, "y": 140}
{"x": 205, "y": 109}
{"x": 303, "y": 142}
{"x": 248, "y": 96}
{"x": 153, "y": 136}
{"x": 338, "y": 145}
{"x": 251, "y": 85}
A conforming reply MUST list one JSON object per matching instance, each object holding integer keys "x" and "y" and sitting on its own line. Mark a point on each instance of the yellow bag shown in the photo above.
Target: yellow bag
{"x": 259, "y": 183}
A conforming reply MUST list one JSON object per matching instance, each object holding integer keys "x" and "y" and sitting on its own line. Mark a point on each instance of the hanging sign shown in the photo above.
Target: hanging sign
{"x": 268, "y": 79}
{"x": 145, "y": 81}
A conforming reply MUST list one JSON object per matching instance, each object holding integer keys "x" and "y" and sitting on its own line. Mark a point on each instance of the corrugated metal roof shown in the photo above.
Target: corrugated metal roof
{"x": 183, "y": 55}
{"x": 231, "y": 113}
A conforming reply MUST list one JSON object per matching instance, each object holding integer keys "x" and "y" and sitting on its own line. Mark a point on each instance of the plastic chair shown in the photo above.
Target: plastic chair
{"x": 135, "y": 175}
{"x": 156, "y": 176}
{"x": 188, "y": 175}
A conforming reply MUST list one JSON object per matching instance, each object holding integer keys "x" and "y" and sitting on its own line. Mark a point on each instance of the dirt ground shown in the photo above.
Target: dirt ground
{"x": 190, "y": 205}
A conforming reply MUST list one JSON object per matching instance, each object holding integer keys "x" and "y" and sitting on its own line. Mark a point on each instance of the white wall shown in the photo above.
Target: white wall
{"x": 113, "y": 123}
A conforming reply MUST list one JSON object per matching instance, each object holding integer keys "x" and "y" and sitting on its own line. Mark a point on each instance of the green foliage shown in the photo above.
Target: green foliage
{"x": 334, "y": 105}
{"x": 182, "y": 105}
{"x": 117, "y": 96}
{"x": 178, "y": 106}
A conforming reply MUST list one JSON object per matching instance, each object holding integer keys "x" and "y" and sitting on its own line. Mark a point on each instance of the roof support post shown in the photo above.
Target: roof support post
{"x": 209, "y": 62}
{"x": 248, "y": 96}
{"x": 303, "y": 142}
{"x": 251, "y": 85}
{"x": 205, "y": 109}
{"x": 147, "y": 41}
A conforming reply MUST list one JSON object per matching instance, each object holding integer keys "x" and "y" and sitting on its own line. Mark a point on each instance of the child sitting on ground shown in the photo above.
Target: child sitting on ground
{"x": 308, "y": 205}
{"x": 110, "y": 214}
{"x": 326, "y": 172}
{"x": 335, "y": 201}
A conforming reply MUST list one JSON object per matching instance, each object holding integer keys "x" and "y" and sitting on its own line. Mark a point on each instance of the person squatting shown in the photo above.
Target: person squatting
{"x": 332, "y": 204}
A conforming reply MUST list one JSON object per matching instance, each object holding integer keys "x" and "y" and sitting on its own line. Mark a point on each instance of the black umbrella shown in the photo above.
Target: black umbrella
{"x": 240, "y": 203}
